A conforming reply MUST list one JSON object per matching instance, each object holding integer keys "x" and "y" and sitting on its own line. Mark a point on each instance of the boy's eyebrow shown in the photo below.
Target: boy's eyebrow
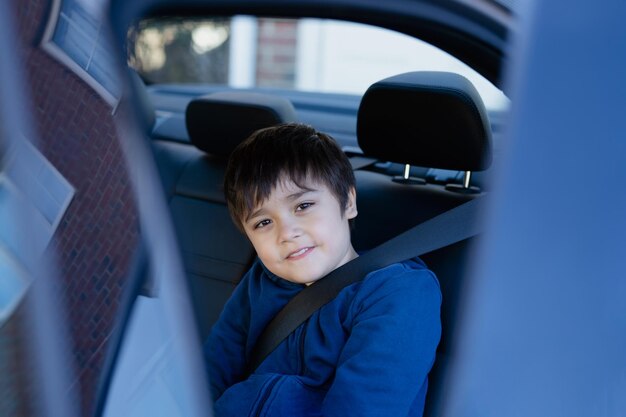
{"x": 290, "y": 197}
{"x": 254, "y": 214}
{"x": 299, "y": 194}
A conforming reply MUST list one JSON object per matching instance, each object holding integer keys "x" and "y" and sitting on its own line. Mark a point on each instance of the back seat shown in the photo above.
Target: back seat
{"x": 215, "y": 254}
{"x": 426, "y": 119}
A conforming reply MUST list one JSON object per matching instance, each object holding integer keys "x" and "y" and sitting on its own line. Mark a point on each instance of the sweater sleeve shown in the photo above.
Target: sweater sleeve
{"x": 391, "y": 346}
{"x": 226, "y": 345}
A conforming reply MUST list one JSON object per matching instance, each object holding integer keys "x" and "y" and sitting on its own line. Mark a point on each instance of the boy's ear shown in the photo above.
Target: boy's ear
{"x": 351, "y": 211}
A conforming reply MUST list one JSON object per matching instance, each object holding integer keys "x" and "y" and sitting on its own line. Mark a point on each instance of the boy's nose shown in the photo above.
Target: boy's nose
{"x": 288, "y": 230}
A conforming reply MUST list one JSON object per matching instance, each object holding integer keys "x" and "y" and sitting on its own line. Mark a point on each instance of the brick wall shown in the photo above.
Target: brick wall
{"x": 96, "y": 238}
{"x": 276, "y": 53}
{"x": 15, "y": 386}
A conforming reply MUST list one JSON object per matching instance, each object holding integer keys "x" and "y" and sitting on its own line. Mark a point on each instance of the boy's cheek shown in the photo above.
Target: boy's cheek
{"x": 260, "y": 246}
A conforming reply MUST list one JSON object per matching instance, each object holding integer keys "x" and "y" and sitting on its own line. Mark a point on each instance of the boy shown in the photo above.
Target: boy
{"x": 291, "y": 190}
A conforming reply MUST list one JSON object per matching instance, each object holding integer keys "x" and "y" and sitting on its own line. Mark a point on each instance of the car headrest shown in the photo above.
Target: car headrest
{"x": 218, "y": 122}
{"x": 429, "y": 119}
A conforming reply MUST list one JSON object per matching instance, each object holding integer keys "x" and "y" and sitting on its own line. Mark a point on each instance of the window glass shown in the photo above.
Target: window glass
{"x": 182, "y": 51}
{"x": 301, "y": 54}
{"x": 76, "y": 33}
{"x": 14, "y": 282}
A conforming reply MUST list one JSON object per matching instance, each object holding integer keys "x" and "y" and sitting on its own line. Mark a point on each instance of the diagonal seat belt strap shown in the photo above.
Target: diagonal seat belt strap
{"x": 455, "y": 225}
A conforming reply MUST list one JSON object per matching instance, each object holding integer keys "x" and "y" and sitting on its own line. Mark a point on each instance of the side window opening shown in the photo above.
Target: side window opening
{"x": 315, "y": 55}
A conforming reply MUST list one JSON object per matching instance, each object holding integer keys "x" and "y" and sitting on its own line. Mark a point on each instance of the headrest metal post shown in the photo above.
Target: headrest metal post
{"x": 406, "y": 177}
{"x": 466, "y": 179}
{"x": 464, "y": 188}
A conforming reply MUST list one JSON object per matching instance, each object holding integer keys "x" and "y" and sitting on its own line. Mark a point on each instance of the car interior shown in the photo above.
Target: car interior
{"x": 420, "y": 137}
{"x": 532, "y": 310}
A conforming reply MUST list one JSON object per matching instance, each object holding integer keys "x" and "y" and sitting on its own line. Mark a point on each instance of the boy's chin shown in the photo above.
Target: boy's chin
{"x": 303, "y": 280}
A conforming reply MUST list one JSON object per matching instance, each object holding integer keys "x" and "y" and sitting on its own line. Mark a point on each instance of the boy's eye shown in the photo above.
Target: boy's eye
{"x": 262, "y": 223}
{"x": 304, "y": 206}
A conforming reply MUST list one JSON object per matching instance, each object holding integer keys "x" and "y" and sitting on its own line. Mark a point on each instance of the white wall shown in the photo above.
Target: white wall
{"x": 242, "y": 65}
{"x": 348, "y": 57}
{"x": 345, "y": 57}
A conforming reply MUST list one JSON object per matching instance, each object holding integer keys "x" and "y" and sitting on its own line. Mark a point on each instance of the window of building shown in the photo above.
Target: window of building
{"x": 76, "y": 36}
{"x": 33, "y": 198}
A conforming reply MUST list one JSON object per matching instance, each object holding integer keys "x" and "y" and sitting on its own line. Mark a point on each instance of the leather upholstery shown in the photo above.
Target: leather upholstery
{"x": 218, "y": 122}
{"x": 428, "y": 119}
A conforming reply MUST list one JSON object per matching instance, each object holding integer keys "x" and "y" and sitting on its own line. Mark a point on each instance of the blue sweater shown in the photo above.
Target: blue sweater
{"x": 366, "y": 353}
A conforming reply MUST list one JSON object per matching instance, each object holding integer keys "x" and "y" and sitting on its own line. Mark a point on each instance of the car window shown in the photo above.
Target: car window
{"x": 298, "y": 54}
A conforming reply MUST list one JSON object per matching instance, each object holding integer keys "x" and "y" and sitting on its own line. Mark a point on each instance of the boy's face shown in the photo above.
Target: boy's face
{"x": 301, "y": 234}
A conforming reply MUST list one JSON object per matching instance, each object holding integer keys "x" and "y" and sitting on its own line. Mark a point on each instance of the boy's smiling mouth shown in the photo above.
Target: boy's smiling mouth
{"x": 300, "y": 253}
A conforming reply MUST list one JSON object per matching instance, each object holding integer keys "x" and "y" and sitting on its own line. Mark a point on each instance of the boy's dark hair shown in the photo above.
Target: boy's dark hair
{"x": 290, "y": 151}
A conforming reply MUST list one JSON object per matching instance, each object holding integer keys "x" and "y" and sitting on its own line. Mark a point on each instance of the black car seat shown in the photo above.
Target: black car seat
{"x": 433, "y": 120}
{"x": 215, "y": 254}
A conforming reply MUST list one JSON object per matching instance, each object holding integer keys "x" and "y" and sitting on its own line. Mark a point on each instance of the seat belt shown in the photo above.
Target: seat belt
{"x": 450, "y": 227}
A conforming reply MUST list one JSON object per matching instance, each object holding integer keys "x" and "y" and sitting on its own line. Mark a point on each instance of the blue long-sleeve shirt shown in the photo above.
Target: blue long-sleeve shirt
{"x": 366, "y": 353}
